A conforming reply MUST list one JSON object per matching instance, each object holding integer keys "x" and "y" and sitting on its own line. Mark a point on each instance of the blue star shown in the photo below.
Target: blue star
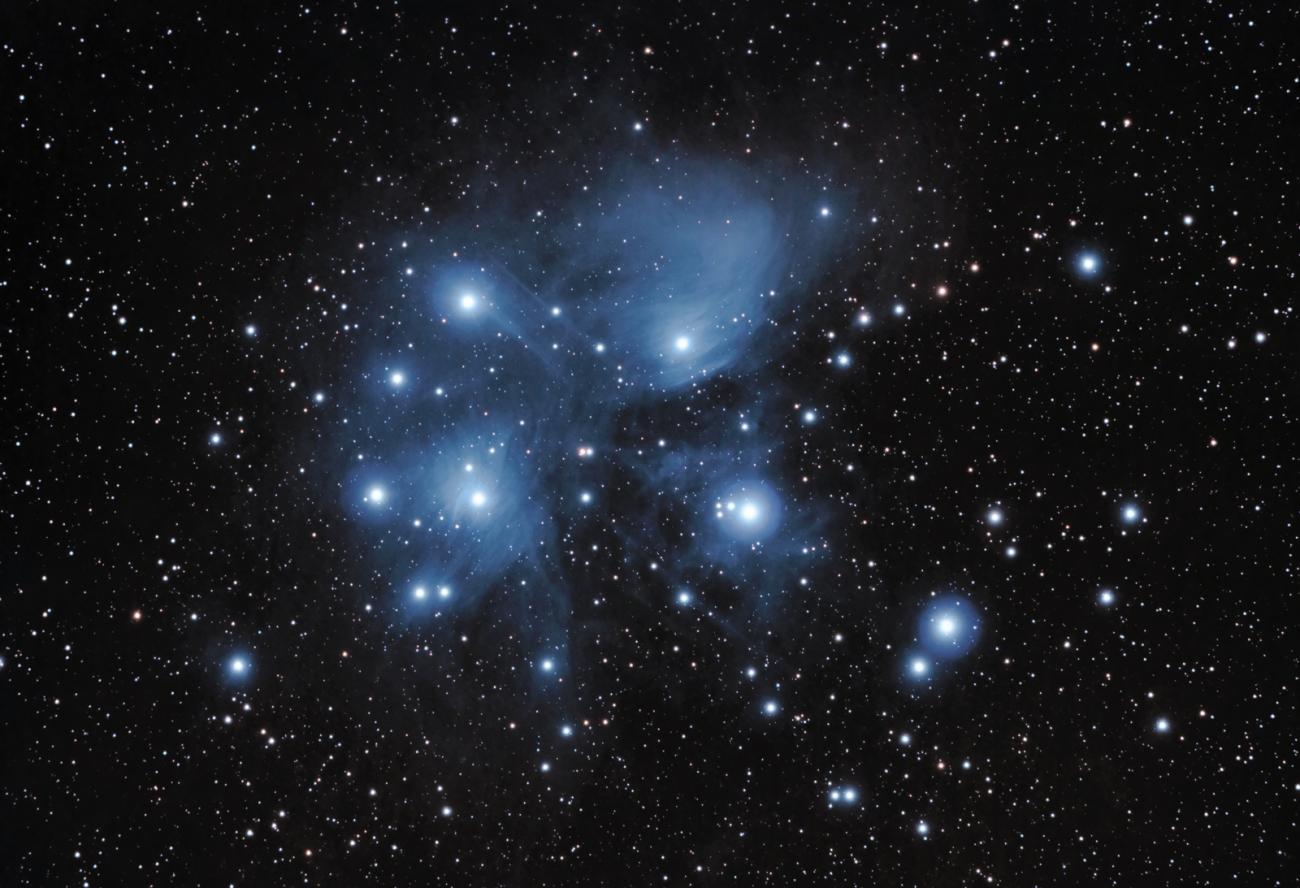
{"x": 949, "y": 626}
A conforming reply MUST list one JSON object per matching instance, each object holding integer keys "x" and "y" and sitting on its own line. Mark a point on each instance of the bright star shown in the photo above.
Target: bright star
{"x": 843, "y": 359}
{"x": 771, "y": 707}
{"x": 397, "y": 378}
{"x": 949, "y": 626}
{"x": 375, "y": 495}
{"x": 918, "y": 667}
{"x": 419, "y": 593}
{"x": 1106, "y": 597}
{"x": 468, "y": 302}
{"x": 238, "y": 665}
{"x": 845, "y": 795}
{"x": 824, "y": 212}
{"x": 922, "y": 828}
{"x": 994, "y": 517}
{"x": 478, "y": 499}
{"x": 1089, "y": 263}
{"x": 1131, "y": 514}
{"x": 547, "y": 665}
{"x": 682, "y": 343}
{"x": 750, "y": 512}
{"x": 1162, "y": 726}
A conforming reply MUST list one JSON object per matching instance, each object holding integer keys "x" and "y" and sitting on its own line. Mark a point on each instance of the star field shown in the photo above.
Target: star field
{"x": 691, "y": 445}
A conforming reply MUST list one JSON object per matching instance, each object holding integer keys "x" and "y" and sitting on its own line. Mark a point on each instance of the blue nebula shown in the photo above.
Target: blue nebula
{"x": 513, "y": 386}
{"x": 949, "y": 627}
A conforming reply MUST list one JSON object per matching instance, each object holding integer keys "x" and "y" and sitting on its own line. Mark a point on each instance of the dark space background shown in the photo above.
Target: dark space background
{"x": 184, "y": 192}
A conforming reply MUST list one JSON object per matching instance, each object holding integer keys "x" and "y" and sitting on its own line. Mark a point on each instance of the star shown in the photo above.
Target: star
{"x": 1088, "y": 264}
{"x": 397, "y": 379}
{"x": 948, "y": 627}
{"x": 1106, "y": 597}
{"x": 682, "y": 343}
{"x": 771, "y": 708}
{"x": 843, "y": 795}
{"x": 376, "y": 495}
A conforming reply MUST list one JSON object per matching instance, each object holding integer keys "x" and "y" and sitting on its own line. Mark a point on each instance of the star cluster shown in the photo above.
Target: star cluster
{"x": 684, "y": 445}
